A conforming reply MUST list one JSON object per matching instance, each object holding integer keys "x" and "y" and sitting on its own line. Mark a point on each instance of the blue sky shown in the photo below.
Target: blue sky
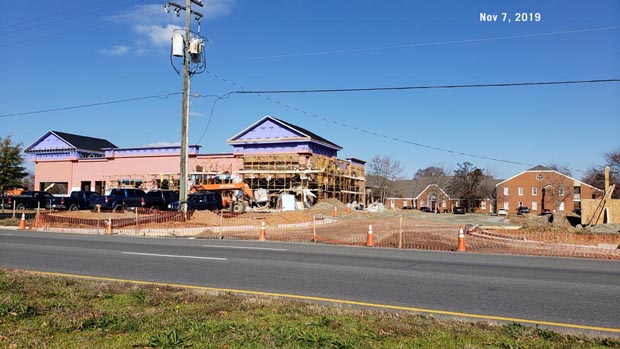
{"x": 69, "y": 53}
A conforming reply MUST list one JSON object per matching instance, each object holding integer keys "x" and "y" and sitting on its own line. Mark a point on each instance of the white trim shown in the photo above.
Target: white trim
{"x": 306, "y": 137}
{"x": 438, "y": 187}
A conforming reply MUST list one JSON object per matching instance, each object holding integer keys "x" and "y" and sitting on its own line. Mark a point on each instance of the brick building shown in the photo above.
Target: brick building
{"x": 542, "y": 188}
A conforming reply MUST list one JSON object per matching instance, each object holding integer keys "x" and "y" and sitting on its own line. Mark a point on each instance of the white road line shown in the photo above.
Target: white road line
{"x": 247, "y": 248}
{"x": 6, "y": 234}
{"x": 174, "y": 256}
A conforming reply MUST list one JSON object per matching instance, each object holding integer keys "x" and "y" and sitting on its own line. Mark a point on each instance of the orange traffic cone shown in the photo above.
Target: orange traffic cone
{"x": 335, "y": 211}
{"x": 22, "y": 222}
{"x": 261, "y": 235}
{"x": 348, "y": 209}
{"x": 370, "y": 239}
{"x": 461, "y": 246}
{"x": 108, "y": 228}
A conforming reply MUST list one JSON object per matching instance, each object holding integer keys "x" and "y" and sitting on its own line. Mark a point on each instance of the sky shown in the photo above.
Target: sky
{"x": 64, "y": 54}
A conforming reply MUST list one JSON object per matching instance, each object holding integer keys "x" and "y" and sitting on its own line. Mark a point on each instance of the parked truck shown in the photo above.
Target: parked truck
{"x": 119, "y": 199}
{"x": 29, "y": 200}
{"x": 77, "y": 200}
{"x": 160, "y": 199}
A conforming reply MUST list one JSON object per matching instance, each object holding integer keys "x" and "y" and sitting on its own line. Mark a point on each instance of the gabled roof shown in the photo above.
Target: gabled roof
{"x": 76, "y": 141}
{"x": 414, "y": 187}
{"x": 300, "y": 130}
{"x": 433, "y": 185}
{"x": 541, "y": 168}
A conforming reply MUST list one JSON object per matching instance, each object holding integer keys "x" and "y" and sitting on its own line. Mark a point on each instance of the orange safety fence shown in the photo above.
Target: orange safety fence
{"x": 351, "y": 230}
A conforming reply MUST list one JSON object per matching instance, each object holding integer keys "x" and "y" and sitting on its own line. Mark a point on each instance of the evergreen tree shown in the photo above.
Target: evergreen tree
{"x": 11, "y": 160}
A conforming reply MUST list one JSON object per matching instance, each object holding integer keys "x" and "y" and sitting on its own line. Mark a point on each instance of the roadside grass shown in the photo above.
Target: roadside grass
{"x": 54, "y": 312}
{"x": 11, "y": 222}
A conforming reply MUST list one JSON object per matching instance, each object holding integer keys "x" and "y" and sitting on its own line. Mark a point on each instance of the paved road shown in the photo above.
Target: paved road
{"x": 572, "y": 291}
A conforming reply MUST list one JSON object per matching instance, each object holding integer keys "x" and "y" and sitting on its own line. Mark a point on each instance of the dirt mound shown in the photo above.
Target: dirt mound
{"x": 327, "y": 206}
{"x": 251, "y": 218}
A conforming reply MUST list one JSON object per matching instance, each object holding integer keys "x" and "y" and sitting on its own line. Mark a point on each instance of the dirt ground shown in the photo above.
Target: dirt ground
{"x": 563, "y": 228}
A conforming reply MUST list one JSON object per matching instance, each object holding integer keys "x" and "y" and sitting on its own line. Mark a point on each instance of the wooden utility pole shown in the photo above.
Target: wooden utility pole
{"x": 183, "y": 171}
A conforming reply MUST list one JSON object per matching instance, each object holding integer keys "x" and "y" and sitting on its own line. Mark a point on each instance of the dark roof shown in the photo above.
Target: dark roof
{"x": 312, "y": 135}
{"x": 540, "y": 168}
{"x": 84, "y": 142}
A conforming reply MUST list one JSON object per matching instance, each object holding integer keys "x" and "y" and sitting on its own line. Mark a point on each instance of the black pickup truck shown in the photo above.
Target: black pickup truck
{"x": 160, "y": 199}
{"x": 119, "y": 199}
{"x": 77, "y": 200}
{"x": 29, "y": 200}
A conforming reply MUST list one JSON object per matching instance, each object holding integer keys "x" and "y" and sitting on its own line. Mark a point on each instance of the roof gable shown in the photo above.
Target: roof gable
{"x": 433, "y": 186}
{"x": 55, "y": 140}
{"x": 540, "y": 168}
{"x": 271, "y": 130}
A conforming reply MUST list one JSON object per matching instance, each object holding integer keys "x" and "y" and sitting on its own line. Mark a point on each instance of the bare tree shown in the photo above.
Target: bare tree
{"x": 557, "y": 190}
{"x": 466, "y": 184}
{"x": 431, "y": 171}
{"x": 563, "y": 169}
{"x": 595, "y": 176}
{"x": 382, "y": 171}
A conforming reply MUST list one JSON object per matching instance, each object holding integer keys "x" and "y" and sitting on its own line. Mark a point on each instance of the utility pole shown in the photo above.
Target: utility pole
{"x": 189, "y": 53}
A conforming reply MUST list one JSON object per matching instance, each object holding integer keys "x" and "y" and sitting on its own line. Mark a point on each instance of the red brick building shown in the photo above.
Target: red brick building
{"x": 543, "y": 188}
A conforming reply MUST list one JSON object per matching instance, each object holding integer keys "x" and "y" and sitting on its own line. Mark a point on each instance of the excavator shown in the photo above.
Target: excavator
{"x": 236, "y": 196}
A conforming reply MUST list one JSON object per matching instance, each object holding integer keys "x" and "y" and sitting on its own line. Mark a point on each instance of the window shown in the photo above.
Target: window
{"x": 506, "y": 204}
{"x": 520, "y": 191}
{"x": 539, "y": 177}
{"x": 443, "y": 203}
{"x": 561, "y": 191}
{"x": 561, "y": 206}
{"x": 483, "y": 205}
{"x": 534, "y": 205}
{"x": 534, "y": 191}
{"x": 505, "y": 190}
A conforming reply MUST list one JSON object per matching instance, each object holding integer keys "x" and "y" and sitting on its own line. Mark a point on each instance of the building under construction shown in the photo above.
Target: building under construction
{"x": 271, "y": 155}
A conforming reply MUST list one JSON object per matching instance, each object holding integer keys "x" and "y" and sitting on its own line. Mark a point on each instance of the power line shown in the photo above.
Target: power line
{"x": 72, "y": 30}
{"x": 243, "y": 90}
{"x": 73, "y": 9}
{"x": 428, "y": 87}
{"x": 91, "y": 105}
{"x": 407, "y": 45}
{"x": 396, "y": 139}
{"x": 55, "y": 21}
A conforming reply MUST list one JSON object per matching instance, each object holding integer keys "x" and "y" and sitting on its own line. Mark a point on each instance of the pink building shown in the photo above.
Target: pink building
{"x": 65, "y": 162}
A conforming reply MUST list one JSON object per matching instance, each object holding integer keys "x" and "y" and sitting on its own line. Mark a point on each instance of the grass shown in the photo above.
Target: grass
{"x": 53, "y": 312}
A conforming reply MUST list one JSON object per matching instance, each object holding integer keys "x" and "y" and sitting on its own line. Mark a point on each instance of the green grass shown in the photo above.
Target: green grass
{"x": 53, "y": 312}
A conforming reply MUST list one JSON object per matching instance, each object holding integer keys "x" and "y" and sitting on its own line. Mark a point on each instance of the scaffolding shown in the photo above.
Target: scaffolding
{"x": 323, "y": 176}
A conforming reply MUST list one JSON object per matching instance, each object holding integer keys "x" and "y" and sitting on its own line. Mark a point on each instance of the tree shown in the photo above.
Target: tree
{"x": 563, "y": 169}
{"x": 382, "y": 171}
{"x": 466, "y": 184}
{"x": 595, "y": 176}
{"x": 11, "y": 161}
{"x": 431, "y": 171}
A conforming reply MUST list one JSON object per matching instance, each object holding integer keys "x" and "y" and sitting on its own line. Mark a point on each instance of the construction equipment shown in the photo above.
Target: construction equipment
{"x": 236, "y": 196}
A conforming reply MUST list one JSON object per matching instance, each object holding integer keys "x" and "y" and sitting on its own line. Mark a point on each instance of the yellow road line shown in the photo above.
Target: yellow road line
{"x": 333, "y": 300}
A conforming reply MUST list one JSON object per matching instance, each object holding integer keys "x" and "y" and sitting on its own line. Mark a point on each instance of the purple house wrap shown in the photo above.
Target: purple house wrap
{"x": 273, "y": 136}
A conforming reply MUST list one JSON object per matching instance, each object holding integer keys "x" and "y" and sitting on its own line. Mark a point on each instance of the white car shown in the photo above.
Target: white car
{"x": 502, "y": 212}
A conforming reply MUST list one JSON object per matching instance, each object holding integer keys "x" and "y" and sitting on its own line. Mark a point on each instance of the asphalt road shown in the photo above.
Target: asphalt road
{"x": 563, "y": 290}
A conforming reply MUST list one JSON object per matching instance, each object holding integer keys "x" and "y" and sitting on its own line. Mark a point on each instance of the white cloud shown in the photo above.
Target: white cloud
{"x": 154, "y": 27}
{"x": 156, "y": 34}
{"x": 116, "y": 50}
{"x": 216, "y": 8}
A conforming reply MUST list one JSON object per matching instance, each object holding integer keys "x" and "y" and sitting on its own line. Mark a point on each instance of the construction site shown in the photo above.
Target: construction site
{"x": 274, "y": 164}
